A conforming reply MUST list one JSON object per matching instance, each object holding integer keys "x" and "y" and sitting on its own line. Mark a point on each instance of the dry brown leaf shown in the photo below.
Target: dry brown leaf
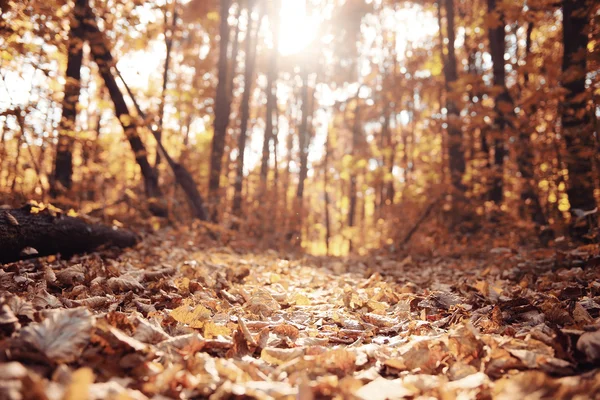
{"x": 43, "y": 300}
{"x": 280, "y": 356}
{"x": 72, "y": 275}
{"x": 62, "y": 335}
{"x": 124, "y": 283}
{"x": 21, "y": 308}
{"x": 589, "y": 345}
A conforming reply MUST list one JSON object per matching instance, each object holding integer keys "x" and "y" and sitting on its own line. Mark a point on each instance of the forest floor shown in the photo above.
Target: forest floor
{"x": 177, "y": 318}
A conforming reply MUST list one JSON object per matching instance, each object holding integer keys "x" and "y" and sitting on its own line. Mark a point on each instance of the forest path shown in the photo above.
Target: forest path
{"x": 177, "y": 319}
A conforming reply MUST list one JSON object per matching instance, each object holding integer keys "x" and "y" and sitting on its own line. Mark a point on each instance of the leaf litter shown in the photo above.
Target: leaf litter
{"x": 175, "y": 318}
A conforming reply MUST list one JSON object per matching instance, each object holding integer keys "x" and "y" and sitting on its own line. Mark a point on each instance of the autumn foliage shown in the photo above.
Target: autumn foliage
{"x": 323, "y": 198}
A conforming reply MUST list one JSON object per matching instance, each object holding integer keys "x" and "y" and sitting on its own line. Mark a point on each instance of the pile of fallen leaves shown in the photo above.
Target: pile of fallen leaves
{"x": 171, "y": 319}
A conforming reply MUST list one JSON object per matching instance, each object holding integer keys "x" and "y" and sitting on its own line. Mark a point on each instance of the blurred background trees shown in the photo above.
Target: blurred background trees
{"x": 328, "y": 124}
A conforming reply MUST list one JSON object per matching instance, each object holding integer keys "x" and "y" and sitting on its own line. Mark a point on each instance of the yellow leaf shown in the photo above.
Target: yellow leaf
{"x": 80, "y": 385}
{"x": 212, "y": 330}
{"x": 300, "y": 300}
{"x": 194, "y": 317}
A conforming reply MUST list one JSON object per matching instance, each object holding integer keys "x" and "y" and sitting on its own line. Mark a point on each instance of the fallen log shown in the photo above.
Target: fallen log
{"x": 26, "y": 233}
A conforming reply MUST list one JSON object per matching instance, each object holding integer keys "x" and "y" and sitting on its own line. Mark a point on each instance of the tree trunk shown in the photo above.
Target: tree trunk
{"x": 169, "y": 34}
{"x": 303, "y": 135}
{"x": 183, "y": 178}
{"x": 250, "y": 62}
{"x": 356, "y": 133}
{"x": 61, "y": 180}
{"x": 222, "y": 111}
{"x": 326, "y": 194}
{"x": 24, "y": 235}
{"x": 271, "y": 91}
{"x": 292, "y": 123}
{"x": 576, "y": 122}
{"x": 455, "y": 146}
{"x": 503, "y": 102}
{"x": 103, "y": 58}
{"x": 530, "y": 202}
{"x": 385, "y": 144}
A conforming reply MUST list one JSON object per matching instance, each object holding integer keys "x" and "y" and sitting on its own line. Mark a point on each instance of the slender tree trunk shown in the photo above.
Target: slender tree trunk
{"x": 455, "y": 146}
{"x": 62, "y": 177}
{"x": 235, "y": 47}
{"x": 169, "y": 34}
{"x": 356, "y": 133}
{"x": 15, "y": 167}
{"x": 326, "y": 194}
{"x": 250, "y": 63}
{"x": 443, "y": 132}
{"x": 271, "y": 92}
{"x": 530, "y": 202}
{"x": 3, "y": 151}
{"x": 182, "y": 176}
{"x": 303, "y": 135}
{"x": 577, "y": 128}
{"x": 292, "y": 122}
{"x": 385, "y": 145}
{"x": 103, "y": 58}
{"x": 503, "y": 102}
{"x": 222, "y": 111}
{"x": 275, "y": 151}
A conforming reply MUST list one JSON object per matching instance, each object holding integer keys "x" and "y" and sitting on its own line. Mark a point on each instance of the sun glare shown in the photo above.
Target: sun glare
{"x": 297, "y": 29}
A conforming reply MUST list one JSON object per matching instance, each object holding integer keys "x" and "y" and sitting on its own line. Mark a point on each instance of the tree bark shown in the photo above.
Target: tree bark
{"x": 182, "y": 176}
{"x": 503, "y": 102}
{"x": 530, "y": 202}
{"x": 169, "y": 34}
{"x": 326, "y": 194}
{"x": 62, "y": 177}
{"x": 250, "y": 62}
{"x": 222, "y": 111}
{"x": 576, "y": 121}
{"x": 303, "y": 135}
{"x": 356, "y": 133}
{"x": 455, "y": 146}
{"x": 271, "y": 91}
{"x": 22, "y": 230}
{"x": 103, "y": 58}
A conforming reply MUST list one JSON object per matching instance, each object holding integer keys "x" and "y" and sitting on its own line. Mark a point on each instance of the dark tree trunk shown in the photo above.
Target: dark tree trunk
{"x": 303, "y": 135}
{"x": 292, "y": 123}
{"x": 326, "y": 194}
{"x": 63, "y": 164}
{"x": 530, "y": 202}
{"x": 503, "y": 103}
{"x": 183, "y": 178}
{"x": 104, "y": 60}
{"x": 250, "y": 62}
{"x": 385, "y": 144}
{"x": 169, "y": 34}
{"x": 24, "y": 235}
{"x": 455, "y": 139}
{"x": 275, "y": 153}
{"x": 356, "y": 136}
{"x": 271, "y": 91}
{"x": 222, "y": 111}
{"x": 576, "y": 122}
{"x": 235, "y": 47}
